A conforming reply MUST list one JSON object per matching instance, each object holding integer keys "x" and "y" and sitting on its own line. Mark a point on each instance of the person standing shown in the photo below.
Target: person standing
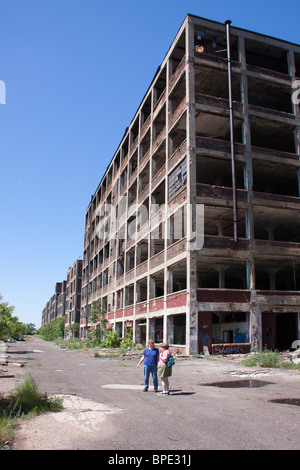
{"x": 150, "y": 359}
{"x": 164, "y": 372}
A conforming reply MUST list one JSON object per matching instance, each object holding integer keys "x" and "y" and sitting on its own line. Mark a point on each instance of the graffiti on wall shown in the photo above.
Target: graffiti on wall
{"x": 240, "y": 336}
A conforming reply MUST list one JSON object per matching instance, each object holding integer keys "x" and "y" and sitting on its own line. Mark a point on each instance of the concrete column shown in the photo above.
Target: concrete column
{"x": 221, "y": 270}
{"x": 150, "y": 329}
{"x": 152, "y": 287}
{"x": 169, "y": 329}
{"x": 255, "y": 316}
{"x": 270, "y": 231}
{"x": 192, "y": 303}
{"x": 170, "y": 281}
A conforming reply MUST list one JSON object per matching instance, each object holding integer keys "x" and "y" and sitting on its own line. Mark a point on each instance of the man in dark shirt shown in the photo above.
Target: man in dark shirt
{"x": 150, "y": 359}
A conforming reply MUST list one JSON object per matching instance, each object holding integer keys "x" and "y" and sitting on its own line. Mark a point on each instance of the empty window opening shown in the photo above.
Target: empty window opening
{"x": 272, "y": 135}
{"x": 142, "y": 252}
{"x": 124, "y": 148}
{"x": 275, "y": 178}
{"x": 157, "y": 285}
{"x": 269, "y": 95}
{"x": 264, "y": 55}
{"x": 214, "y": 43}
{"x": 145, "y": 146}
{"x": 132, "y": 193}
{"x": 177, "y": 277}
{"x": 179, "y": 329}
{"x": 177, "y": 136}
{"x": 177, "y": 178}
{"x": 129, "y": 295}
{"x": 160, "y": 86}
{"x": 117, "y": 162}
{"x": 123, "y": 178}
{"x": 217, "y": 127}
{"x": 283, "y": 275}
{"x": 159, "y": 123}
{"x": 109, "y": 176}
{"x": 143, "y": 214}
{"x": 133, "y": 163}
{"x": 210, "y": 83}
{"x": 158, "y": 198}
{"x": 218, "y": 172}
{"x": 131, "y": 226}
{"x": 120, "y": 267}
{"x": 146, "y": 111}
{"x": 130, "y": 257}
{"x": 141, "y": 290}
{"x": 158, "y": 330}
{"x": 222, "y": 274}
{"x": 158, "y": 239}
{"x": 177, "y": 95}
{"x": 120, "y": 298}
{"x": 177, "y": 54}
{"x": 297, "y": 64}
{"x": 135, "y": 130}
{"x": 177, "y": 225}
{"x": 219, "y": 222}
{"x": 158, "y": 160}
{"x": 144, "y": 178}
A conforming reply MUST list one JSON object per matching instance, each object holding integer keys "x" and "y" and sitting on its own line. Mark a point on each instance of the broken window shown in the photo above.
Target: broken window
{"x": 158, "y": 198}
{"x": 177, "y": 178}
{"x": 141, "y": 290}
{"x": 214, "y": 43}
{"x": 179, "y": 329}
{"x": 129, "y": 295}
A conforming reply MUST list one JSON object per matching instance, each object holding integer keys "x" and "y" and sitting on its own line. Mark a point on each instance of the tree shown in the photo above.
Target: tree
{"x": 30, "y": 329}
{"x": 10, "y": 326}
{"x": 97, "y": 334}
{"x": 54, "y": 330}
{"x": 74, "y": 330}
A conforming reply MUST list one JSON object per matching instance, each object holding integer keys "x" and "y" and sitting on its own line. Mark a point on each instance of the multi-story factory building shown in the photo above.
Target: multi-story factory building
{"x": 55, "y": 307}
{"x": 217, "y": 133}
{"x": 73, "y": 296}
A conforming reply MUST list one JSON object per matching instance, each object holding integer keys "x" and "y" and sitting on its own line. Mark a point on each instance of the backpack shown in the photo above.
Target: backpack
{"x": 170, "y": 362}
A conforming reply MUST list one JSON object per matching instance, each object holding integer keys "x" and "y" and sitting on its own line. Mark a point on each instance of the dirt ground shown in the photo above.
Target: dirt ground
{"x": 102, "y": 396}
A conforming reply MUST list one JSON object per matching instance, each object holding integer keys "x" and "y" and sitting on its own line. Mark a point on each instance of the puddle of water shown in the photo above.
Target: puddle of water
{"x": 248, "y": 383}
{"x": 286, "y": 401}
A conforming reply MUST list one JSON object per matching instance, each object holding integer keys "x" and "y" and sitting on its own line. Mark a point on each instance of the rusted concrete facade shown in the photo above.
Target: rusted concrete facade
{"x": 241, "y": 287}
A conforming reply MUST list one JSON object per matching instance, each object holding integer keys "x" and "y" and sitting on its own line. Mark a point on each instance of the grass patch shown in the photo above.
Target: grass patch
{"x": 26, "y": 402}
{"x": 269, "y": 359}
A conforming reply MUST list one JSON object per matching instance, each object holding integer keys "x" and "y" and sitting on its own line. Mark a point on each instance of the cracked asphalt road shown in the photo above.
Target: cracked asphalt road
{"x": 105, "y": 407}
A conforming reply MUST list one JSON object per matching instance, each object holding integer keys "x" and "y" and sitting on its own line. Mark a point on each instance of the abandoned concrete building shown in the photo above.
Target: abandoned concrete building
{"x": 66, "y": 301}
{"x": 73, "y": 295}
{"x": 218, "y": 131}
{"x": 55, "y": 307}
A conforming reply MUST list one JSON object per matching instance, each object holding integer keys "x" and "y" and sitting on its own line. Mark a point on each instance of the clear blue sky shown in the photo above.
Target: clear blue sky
{"x": 75, "y": 73}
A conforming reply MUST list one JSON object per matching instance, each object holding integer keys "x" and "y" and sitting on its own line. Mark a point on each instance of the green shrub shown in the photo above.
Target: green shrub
{"x": 26, "y": 401}
{"x": 112, "y": 340}
{"x": 128, "y": 341}
{"x": 264, "y": 358}
{"x": 54, "y": 330}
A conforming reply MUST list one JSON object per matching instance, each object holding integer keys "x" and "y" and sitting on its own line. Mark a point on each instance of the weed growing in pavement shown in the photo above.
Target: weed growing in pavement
{"x": 26, "y": 402}
{"x": 270, "y": 359}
